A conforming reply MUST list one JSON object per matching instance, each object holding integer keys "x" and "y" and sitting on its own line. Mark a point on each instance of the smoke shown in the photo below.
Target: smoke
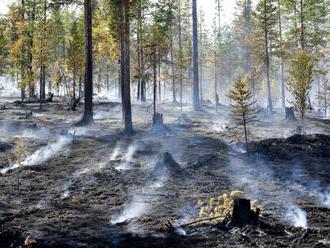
{"x": 42, "y": 155}
{"x": 84, "y": 176}
{"x": 259, "y": 182}
{"x": 220, "y": 126}
{"x": 127, "y": 159}
{"x": 310, "y": 187}
{"x": 108, "y": 112}
{"x": 17, "y": 131}
{"x": 296, "y": 217}
{"x": 8, "y": 87}
{"x": 136, "y": 208}
{"x": 143, "y": 200}
{"x": 115, "y": 153}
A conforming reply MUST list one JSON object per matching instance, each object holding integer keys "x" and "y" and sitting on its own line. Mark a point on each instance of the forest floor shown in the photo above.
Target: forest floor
{"x": 95, "y": 187}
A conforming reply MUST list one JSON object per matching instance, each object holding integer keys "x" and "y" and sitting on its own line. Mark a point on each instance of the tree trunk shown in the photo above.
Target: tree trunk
{"x": 196, "y": 102}
{"x": 99, "y": 80}
{"x": 108, "y": 77}
{"x": 155, "y": 78}
{"x": 180, "y": 54}
{"x": 246, "y": 135}
{"x": 201, "y": 62}
{"x": 30, "y": 55}
{"x": 125, "y": 66}
{"x": 302, "y": 25}
{"x": 172, "y": 62}
{"x": 281, "y": 51}
{"x": 88, "y": 82}
{"x": 139, "y": 51}
{"x": 43, "y": 64}
{"x": 216, "y": 96}
{"x": 270, "y": 103}
{"x": 159, "y": 81}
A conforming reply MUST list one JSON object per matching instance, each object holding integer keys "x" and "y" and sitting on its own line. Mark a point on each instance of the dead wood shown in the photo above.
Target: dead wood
{"x": 289, "y": 114}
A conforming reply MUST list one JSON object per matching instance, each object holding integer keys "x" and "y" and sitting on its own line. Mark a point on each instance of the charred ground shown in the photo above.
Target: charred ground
{"x": 102, "y": 190}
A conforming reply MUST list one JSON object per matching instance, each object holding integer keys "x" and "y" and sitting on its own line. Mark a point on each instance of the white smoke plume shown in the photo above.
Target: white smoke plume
{"x": 11, "y": 130}
{"x": 140, "y": 204}
{"x": 296, "y": 217}
{"x": 136, "y": 208}
{"x": 42, "y": 155}
{"x": 258, "y": 181}
{"x": 127, "y": 159}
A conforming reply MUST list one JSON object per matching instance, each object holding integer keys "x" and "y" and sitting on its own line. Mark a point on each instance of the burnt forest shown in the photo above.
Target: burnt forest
{"x": 164, "y": 123}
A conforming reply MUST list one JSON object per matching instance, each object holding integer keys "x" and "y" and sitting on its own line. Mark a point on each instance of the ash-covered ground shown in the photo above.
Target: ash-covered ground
{"x": 95, "y": 187}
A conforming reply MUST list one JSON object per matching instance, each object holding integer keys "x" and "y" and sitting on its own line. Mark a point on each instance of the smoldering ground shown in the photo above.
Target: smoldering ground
{"x": 81, "y": 196}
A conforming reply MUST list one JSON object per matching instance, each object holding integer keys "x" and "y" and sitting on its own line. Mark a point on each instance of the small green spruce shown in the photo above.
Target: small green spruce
{"x": 243, "y": 109}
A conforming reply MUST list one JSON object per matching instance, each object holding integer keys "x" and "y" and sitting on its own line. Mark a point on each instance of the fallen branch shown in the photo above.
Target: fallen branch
{"x": 200, "y": 220}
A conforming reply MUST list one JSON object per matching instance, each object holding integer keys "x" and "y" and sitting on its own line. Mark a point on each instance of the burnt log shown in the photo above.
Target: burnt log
{"x": 158, "y": 121}
{"x": 289, "y": 114}
{"x": 27, "y": 115}
{"x": 19, "y": 102}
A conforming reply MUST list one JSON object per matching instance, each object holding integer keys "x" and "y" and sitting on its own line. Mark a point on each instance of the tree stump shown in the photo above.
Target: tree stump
{"x": 28, "y": 114}
{"x": 50, "y": 97}
{"x": 217, "y": 103}
{"x": 289, "y": 114}
{"x": 158, "y": 121}
{"x": 74, "y": 103}
{"x": 241, "y": 212}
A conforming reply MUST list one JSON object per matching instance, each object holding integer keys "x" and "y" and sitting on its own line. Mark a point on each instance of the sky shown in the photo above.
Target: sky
{"x": 208, "y": 7}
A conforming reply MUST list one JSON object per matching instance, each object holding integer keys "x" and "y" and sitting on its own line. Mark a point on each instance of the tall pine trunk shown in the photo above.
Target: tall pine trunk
{"x": 302, "y": 25}
{"x": 196, "y": 101}
{"x": 281, "y": 56}
{"x": 88, "y": 82}
{"x": 181, "y": 60}
{"x": 172, "y": 61}
{"x": 125, "y": 66}
{"x": 270, "y": 103}
{"x": 155, "y": 79}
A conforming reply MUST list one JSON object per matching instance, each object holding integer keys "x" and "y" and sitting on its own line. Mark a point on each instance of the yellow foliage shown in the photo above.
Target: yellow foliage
{"x": 20, "y": 152}
{"x": 221, "y": 206}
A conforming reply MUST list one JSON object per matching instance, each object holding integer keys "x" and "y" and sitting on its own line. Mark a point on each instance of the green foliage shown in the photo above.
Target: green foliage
{"x": 265, "y": 21}
{"x": 301, "y": 80}
{"x": 243, "y": 111}
{"x": 76, "y": 49}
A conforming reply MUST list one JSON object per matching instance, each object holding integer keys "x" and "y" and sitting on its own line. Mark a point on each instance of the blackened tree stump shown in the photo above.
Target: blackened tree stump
{"x": 242, "y": 215}
{"x": 241, "y": 212}
{"x": 289, "y": 114}
{"x": 158, "y": 121}
{"x": 74, "y": 103}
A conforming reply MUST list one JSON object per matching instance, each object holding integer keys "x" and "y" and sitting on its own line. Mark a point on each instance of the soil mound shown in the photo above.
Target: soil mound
{"x": 316, "y": 145}
{"x": 184, "y": 119}
{"x": 166, "y": 166}
{"x": 5, "y": 147}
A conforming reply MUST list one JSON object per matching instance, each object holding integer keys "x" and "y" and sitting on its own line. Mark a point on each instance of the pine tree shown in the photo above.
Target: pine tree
{"x": 242, "y": 108}
{"x": 196, "y": 100}
{"x": 266, "y": 18}
{"x": 300, "y": 82}
{"x": 243, "y": 30}
{"x": 87, "y": 117}
{"x": 76, "y": 55}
